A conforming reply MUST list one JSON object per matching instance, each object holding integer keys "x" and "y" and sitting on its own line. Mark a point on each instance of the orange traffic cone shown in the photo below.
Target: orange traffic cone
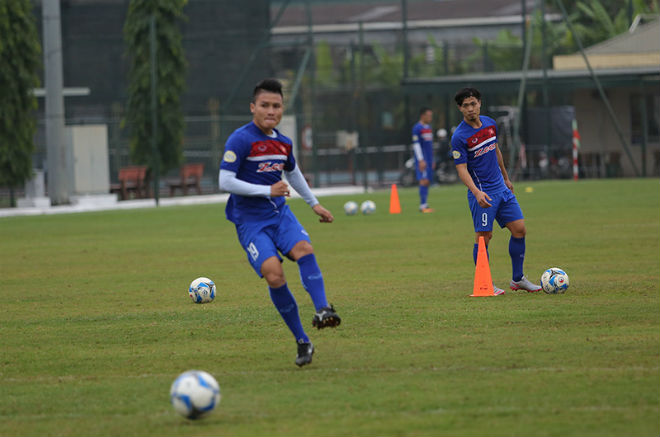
{"x": 483, "y": 281}
{"x": 395, "y": 206}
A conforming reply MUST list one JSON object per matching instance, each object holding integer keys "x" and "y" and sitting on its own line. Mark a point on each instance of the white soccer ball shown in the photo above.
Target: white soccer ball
{"x": 194, "y": 394}
{"x": 368, "y": 207}
{"x": 350, "y": 208}
{"x": 554, "y": 281}
{"x": 202, "y": 290}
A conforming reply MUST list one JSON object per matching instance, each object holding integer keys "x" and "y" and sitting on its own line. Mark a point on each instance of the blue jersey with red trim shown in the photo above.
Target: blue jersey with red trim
{"x": 422, "y": 134}
{"x": 477, "y": 148}
{"x": 258, "y": 159}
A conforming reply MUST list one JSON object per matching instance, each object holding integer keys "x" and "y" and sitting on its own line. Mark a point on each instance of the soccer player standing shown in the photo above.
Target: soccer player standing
{"x": 422, "y": 137}
{"x": 480, "y": 167}
{"x": 254, "y": 159}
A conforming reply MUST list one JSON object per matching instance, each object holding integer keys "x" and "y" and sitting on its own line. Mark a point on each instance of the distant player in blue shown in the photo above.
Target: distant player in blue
{"x": 254, "y": 159}
{"x": 422, "y": 138}
{"x": 480, "y": 166}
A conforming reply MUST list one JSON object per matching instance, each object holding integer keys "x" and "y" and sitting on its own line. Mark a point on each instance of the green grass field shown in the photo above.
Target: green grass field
{"x": 96, "y": 322}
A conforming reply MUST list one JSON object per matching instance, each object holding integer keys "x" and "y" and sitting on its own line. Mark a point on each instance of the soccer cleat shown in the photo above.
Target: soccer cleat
{"x": 497, "y": 291}
{"x": 426, "y": 210}
{"x": 305, "y": 352}
{"x": 326, "y": 317}
{"x": 525, "y": 284}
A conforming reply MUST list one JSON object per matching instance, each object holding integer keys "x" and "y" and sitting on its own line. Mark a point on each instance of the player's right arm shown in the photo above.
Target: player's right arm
{"x": 481, "y": 196}
{"x": 232, "y": 159}
{"x": 459, "y": 153}
{"x": 417, "y": 148}
{"x": 228, "y": 181}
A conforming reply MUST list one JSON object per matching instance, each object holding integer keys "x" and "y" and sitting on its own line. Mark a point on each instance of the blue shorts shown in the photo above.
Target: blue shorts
{"x": 504, "y": 208}
{"x": 264, "y": 239}
{"x": 426, "y": 174}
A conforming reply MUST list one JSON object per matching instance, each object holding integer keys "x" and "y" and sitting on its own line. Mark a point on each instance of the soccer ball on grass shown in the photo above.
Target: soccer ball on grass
{"x": 194, "y": 394}
{"x": 350, "y": 208}
{"x": 368, "y": 207}
{"x": 554, "y": 281}
{"x": 202, "y": 290}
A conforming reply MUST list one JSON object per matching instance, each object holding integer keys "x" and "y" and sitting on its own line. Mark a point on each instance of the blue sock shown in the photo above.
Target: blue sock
{"x": 288, "y": 308}
{"x": 517, "y": 252}
{"x": 312, "y": 280}
{"x": 423, "y": 194}
{"x": 475, "y": 251}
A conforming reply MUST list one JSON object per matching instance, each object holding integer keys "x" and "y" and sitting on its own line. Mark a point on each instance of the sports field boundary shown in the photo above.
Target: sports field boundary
{"x": 101, "y": 203}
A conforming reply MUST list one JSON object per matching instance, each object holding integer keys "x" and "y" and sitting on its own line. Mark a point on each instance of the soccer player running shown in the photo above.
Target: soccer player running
{"x": 480, "y": 166}
{"x": 422, "y": 137}
{"x": 254, "y": 159}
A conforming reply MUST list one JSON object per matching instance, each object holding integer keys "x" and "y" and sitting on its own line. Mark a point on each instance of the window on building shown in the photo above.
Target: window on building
{"x": 652, "y": 105}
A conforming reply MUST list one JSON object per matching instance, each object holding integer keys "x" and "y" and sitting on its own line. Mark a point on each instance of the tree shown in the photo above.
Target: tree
{"x": 597, "y": 20}
{"x": 593, "y": 20}
{"x": 170, "y": 73}
{"x": 20, "y": 58}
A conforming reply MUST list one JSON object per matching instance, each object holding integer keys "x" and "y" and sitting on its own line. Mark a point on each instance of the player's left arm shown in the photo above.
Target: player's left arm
{"x": 298, "y": 182}
{"x": 505, "y": 174}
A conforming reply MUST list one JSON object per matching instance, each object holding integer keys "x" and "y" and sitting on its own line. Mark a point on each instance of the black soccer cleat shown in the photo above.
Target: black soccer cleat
{"x": 305, "y": 352}
{"x": 326, "y": 317}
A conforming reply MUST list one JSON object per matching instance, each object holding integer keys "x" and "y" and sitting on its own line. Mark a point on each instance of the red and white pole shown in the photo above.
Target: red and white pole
{"x": 576, "y": 145}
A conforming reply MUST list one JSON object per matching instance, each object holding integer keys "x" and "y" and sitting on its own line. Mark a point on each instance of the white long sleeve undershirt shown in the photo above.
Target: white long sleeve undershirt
{"x": 228, "y": 182}
{"x": 417, "y": 148}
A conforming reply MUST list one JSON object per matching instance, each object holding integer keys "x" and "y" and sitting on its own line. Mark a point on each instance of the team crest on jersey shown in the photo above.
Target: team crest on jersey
{"x": 456, "y": 154}
{"x": 229, "y": 156}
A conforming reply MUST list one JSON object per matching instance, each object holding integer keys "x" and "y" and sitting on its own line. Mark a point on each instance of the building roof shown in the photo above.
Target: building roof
{"x": 342, "y": 16}
{"x": 342, "y": 12}
{"x": 641, "y": 47}
{"x": 644, "y": 38}
{"x": 498, "y": 82}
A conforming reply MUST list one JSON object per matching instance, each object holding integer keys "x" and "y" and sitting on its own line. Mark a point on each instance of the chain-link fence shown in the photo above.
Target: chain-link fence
{"x": 352, "y": 115}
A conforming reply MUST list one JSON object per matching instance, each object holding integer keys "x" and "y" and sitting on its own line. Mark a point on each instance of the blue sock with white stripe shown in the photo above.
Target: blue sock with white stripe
{"x": 475, "y": 251}
{"x": 288, "y": 309}
{"x": 423, "y": 195}
{"x": 312, "y": 280}
{"x": 517, "y": 253}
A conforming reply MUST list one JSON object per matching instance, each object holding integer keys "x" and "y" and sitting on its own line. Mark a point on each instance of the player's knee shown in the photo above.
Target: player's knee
{"x": 518, "y": 229}
{"x": 275, "y": 279}
{"x": 301, "y": 249}
{"x": 487, "y": 236}
{"x": 273, "y": 273}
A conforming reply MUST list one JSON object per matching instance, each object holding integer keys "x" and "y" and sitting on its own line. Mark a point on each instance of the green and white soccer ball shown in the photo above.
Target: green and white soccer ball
{"x": 554, "y": 281}
{"x": 368, "y": 207}
{"x": 202, "y": 290}
{"x": 194, "y": 394}
{"x": 350, "y": 208}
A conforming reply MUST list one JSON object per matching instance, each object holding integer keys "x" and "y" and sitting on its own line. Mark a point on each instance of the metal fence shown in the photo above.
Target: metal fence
{"x": 347, "y": 90}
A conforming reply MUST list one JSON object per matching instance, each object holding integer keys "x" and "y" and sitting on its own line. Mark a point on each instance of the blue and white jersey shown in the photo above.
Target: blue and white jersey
{"x": 423, "y": 135}
{"x": 477, "y": 148}
{"x": 256, "y": 158}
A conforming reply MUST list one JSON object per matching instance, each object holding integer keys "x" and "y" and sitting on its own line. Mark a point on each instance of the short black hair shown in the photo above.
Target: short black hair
{"x": 423, "y": 109}
{"x": 268, "y": 85}
{"x": 464, "y": 93}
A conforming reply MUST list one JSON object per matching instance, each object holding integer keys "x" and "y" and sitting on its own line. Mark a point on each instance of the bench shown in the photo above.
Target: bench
{"x": 190, "y": 176}
{"x": 131, "y": 180}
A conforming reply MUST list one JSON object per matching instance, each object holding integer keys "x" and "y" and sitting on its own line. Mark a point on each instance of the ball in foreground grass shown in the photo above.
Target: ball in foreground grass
{"x": 554, "y": 281}
{"x": 350, "y": 208}
{"x": 368, "y": 207}
{"x": 194, "y": 394}
{"x": 202, "y": 290}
